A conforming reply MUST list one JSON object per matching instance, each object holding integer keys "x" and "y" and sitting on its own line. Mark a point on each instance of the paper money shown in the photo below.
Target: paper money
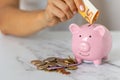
{"x": 90, "y": 13}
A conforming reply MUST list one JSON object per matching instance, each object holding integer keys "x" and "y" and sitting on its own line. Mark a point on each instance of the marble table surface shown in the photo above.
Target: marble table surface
{"x": 16, "y": 54}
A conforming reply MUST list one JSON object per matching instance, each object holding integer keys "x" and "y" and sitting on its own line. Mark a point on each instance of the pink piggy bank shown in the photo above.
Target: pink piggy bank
{"x": 90, "y": 42}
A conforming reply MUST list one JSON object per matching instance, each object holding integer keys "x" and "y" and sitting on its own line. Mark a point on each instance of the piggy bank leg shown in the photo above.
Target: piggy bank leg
{"x": 78, "y": 59}
{"x": 97, "y": 62}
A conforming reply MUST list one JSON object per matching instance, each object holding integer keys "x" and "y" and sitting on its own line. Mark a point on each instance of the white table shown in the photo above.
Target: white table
{"x": 16, "y": 54}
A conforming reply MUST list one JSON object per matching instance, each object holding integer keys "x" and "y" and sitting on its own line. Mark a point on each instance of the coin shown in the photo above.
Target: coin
{"x": 63, "y": 71}
{"x": 38, "y": 64}
{"x": 57, "y": 64}
{"x": 72, "y": 67}
{"x": 42, "y": 67}
{"x": 62, "y": 64}
{"x": 72, "y": 60}
{"x": 52, "y": 64}
{"x": 35, "y": 62}
{"x": 50, "y": 59}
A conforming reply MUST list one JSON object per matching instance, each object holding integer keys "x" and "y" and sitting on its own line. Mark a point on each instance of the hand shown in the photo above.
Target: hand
{"x": 60, "y": 10}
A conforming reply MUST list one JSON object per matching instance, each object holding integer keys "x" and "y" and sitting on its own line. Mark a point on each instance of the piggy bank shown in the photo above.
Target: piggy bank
{"x": 90, "y": 42}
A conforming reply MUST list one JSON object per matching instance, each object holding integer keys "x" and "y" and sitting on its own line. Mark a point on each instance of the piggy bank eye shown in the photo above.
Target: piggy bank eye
{"x": 80, "y": 35}
{"x": 90, "y": 36}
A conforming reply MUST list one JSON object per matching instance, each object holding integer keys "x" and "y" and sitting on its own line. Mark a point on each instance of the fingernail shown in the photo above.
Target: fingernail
{"x": 74, "y": 12}
{"x": 81, "y": 8}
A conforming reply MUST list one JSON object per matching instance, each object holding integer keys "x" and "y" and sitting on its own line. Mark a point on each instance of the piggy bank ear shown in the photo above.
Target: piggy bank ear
{"x": 100, "y": 29}
{"x": 74, "y": 28}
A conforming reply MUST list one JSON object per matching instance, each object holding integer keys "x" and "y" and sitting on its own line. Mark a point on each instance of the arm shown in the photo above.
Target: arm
{"x": 17, "y": 22}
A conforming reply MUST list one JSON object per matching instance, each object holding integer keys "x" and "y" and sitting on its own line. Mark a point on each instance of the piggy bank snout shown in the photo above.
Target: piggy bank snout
{"x": 84, "y": 47}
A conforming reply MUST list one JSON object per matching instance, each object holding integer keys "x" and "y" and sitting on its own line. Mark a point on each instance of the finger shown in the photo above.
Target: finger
{"x": 54, "y": 21}
{"x": 64, "y": 8}
{"x": 58, "y": 13}
{"x": 80, "y": 5}
{"x": 72, "y": 5}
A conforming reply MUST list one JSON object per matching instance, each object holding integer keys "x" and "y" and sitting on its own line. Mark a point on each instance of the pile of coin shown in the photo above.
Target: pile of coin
{"x": 61, "y": 65}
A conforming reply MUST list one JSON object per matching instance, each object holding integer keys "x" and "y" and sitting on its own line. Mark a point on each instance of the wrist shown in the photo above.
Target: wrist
{"x": 49, "y": 18}
{"x": 43, "y": 18}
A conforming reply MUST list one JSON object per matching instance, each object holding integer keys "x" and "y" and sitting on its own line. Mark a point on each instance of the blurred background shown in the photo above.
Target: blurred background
{"x": 109, "y": 13}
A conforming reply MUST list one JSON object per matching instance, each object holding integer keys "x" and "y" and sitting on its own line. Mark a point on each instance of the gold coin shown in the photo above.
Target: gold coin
{"x": 35, "y": 62}
{"x": 56, "y": 64}
{"x": 42, "y": 67}
{"x": 72, "y": 67}
{"x": 50, "y": 59}
{"x": 51, "y": 64}
{"x": 63, "y": 71}
{"x": 62, "y": 64}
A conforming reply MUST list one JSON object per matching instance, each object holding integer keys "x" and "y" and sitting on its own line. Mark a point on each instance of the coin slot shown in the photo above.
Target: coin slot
{"x": 89, "y": 25}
